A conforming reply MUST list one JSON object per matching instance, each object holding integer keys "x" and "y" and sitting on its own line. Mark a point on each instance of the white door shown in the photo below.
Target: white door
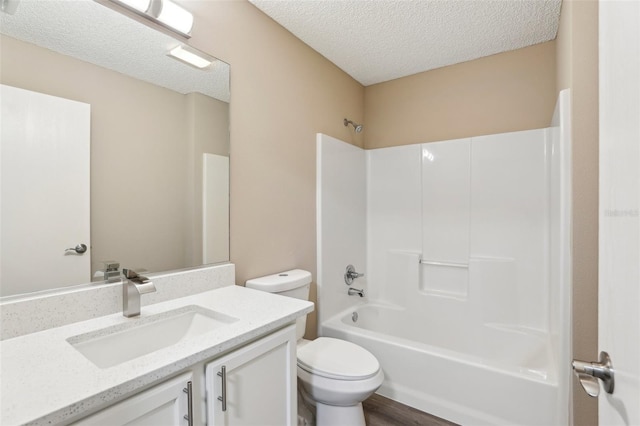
{"x": 619, "y": 280}
{"x": 44, "y": 197}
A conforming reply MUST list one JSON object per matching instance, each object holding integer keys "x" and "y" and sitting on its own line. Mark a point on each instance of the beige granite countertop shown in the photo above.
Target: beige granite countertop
{"x": 45, "y": 380}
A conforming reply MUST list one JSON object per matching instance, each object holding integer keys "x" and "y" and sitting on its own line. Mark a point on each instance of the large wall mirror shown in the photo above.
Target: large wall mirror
{"x": 155, "y": 165}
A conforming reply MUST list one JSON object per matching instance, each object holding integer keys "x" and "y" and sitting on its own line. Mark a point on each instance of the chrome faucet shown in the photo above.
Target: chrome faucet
{"x": 132, "y": 287}
{"x": 354, "y": 291}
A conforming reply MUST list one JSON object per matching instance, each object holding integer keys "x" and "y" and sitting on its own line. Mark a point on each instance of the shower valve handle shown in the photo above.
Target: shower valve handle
{"x": 351, "y": 274}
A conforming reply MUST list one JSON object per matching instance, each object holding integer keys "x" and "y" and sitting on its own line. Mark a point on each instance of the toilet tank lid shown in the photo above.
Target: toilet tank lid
{"x": 282, "y": 281}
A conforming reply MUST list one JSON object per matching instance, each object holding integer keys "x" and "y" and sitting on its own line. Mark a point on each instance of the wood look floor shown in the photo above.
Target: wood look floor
{"x": 381, "y": 411}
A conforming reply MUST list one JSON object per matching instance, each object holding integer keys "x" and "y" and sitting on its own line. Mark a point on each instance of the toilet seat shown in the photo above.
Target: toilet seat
{"x": 337, "y": 359}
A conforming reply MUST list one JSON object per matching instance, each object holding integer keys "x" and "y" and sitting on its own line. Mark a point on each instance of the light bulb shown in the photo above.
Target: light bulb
{"x": 175, "y": 16}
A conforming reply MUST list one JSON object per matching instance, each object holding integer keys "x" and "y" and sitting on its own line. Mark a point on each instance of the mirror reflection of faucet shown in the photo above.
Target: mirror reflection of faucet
{"x": 109, "y": 273}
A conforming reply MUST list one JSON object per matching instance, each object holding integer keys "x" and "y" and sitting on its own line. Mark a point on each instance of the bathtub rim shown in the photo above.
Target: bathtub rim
{"x": 335, "y": 322}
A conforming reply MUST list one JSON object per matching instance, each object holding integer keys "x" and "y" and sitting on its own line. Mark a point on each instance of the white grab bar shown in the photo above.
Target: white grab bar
{"x": 439, "y": 263}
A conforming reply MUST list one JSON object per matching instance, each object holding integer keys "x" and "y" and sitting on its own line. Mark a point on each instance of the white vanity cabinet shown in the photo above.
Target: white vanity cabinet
{"x": 163, "y": 404}
{"x": 254, "y": 385}
{"x": 257, "y": 383}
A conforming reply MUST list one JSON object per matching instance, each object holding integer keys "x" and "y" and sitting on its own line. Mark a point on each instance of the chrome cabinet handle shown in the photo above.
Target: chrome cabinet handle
{"x": 590, "y": 372}
{"x": 223, "y": 398}
{"x": 189, "y": 391}
{"x": 79, "y": 249}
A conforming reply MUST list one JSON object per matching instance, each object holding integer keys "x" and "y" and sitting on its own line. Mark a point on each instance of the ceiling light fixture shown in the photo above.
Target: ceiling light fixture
{"x": 191, "y": 56}
{"x": 163, "y": 12}
{"x": 139, "y": 5}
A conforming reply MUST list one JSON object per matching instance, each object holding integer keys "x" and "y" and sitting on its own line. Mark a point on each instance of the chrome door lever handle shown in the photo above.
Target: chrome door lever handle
{"x": 589, "y": 372}
{"x": 79, "y": 249}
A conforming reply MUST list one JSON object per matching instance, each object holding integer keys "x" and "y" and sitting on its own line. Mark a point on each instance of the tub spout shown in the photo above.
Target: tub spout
{"x": 354, "y": 291}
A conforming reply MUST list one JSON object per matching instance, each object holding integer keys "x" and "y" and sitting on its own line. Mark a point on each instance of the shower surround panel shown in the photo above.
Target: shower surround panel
{"x": 471, "y": 218}
{"x": 459, "y": 283}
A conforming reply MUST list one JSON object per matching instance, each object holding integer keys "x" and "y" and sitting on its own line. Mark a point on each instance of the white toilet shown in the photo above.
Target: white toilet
{"x": 336, "y": 375}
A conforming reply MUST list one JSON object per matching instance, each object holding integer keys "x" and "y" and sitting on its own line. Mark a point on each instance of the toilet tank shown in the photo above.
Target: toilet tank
{"x": 294, "y": 283}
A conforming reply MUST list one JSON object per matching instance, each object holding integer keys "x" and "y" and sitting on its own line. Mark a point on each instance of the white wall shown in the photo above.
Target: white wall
{"x": 341, "y": 222}
{"x": 560, "y": 259}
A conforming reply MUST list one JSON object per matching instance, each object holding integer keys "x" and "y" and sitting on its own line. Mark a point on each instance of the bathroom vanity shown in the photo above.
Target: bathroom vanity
{"x": 224, "y": 356}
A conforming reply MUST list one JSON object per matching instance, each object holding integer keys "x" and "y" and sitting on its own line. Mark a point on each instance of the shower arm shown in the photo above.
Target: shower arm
{"x": 357, "y": 127}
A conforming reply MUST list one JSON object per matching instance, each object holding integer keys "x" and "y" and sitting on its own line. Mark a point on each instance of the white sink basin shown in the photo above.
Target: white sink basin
{"x": 123, "y": 342}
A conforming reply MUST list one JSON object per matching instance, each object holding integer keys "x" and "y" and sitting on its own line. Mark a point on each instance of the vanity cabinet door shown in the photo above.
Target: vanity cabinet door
{"x": 164, "y": 404}
{"x": 256, "y": 384}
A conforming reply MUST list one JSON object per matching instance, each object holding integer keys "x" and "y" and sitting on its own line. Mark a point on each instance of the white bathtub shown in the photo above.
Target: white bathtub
{"x": 496, "y": 376}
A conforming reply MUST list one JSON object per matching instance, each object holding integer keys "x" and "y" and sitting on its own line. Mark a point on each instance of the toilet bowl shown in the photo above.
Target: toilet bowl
{"x": 334, "y": 375}
{"x": 337, "y": 376}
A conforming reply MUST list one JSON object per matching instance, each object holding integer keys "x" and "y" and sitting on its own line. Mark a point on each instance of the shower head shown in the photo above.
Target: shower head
{"x": 357, "y": 127}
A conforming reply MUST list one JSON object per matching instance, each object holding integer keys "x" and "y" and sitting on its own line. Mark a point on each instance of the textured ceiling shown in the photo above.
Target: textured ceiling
{"x": 381, "y": 40}
{"x": 94, "y": 33}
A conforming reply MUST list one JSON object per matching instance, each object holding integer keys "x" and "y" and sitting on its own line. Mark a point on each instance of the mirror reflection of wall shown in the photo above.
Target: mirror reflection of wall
{"x": 147, "y": 148}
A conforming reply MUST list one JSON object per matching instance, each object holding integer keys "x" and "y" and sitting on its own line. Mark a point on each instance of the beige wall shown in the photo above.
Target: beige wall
{"x": 577, "y": 50}
{"x": 282, "y": 93}
{"x": 139, "y": 157}
{"x": 506, "y": 92}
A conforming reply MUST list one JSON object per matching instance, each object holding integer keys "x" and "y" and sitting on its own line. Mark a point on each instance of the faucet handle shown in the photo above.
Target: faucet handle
{"x": 351, "y": 274}
{"x": 110, "y": 265}
{"x": 129, "y": 273}
{"x": 133, "y": 275}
